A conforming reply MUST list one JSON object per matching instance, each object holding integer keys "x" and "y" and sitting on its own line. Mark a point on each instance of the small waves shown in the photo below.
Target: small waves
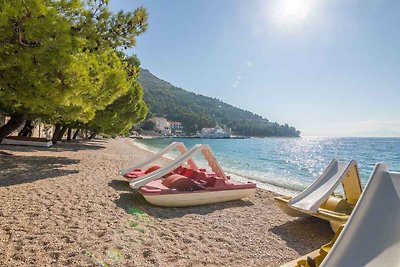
{"x": 271, "y": 179}
{"x": 287, "y": 165}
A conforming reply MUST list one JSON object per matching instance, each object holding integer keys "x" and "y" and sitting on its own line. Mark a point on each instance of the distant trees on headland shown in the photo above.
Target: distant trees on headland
{"x": 195, "y": 111}
{"x": 63, "y": 62}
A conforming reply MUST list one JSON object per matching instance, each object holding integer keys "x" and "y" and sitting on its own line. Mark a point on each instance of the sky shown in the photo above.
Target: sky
{"x": 329, "y": 68}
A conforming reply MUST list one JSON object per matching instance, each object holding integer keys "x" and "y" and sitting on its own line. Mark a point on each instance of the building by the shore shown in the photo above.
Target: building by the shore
{"x": 217, "y": 133}
{"x": 176, "y": 127}
{"x": 162, "y": 125}
{"x": 165, "y": 127}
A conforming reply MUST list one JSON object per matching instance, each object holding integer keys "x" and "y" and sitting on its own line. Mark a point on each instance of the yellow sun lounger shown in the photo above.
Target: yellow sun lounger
{"x": 319, "y": 200}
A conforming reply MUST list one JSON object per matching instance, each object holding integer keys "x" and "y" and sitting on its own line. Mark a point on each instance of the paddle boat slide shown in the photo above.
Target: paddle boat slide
{"x": 174, "y": 185}
{"x": 318, "y": 199}
{"x": 136, "y": 171}
{"x": 371, "y": 236}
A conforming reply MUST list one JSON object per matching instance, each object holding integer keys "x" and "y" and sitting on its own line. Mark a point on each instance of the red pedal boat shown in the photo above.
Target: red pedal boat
{"x": 176, "y": 186}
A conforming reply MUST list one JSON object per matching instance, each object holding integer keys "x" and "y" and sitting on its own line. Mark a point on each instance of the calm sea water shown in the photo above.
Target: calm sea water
{"x": 288, "y": 165}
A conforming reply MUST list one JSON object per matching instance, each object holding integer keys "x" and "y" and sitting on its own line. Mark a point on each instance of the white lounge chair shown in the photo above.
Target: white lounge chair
{"x": 318, "y": 200}
{"x": 174, "y": 145}
{"x": 371, "y": 236}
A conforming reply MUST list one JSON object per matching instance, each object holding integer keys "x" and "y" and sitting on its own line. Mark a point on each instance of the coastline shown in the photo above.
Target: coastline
{"x": 67, "y": 206}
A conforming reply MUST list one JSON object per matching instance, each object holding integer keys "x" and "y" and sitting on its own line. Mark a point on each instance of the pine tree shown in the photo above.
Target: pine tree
{"x": 120, "y": 116}
{"x": 60, "y": 59}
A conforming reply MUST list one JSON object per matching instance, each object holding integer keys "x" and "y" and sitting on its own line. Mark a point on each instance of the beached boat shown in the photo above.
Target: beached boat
{"x": 371, "y": 237}
{"x": 319, "y": 200}
{"x": 174, "y": 185}
{"x": 137, "y": 171}
{"x": 26, "y": 141}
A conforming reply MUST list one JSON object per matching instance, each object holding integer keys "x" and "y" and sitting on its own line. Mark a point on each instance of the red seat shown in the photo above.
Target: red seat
{"x": 180, "y": 183}
{"x": 134, "y": 174}
{"x": 139, "y": 173}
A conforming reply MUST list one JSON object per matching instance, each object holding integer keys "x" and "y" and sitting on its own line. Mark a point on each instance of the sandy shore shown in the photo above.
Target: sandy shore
{"x": 66, "y": 206}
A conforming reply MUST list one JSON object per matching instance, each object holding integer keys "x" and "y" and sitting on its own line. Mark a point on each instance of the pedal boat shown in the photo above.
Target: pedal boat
{"x": 319, "y": 200}
{"x": 138, "y": 170}
{"x": 371, "y": 237}
{"x": 175, "y": 185}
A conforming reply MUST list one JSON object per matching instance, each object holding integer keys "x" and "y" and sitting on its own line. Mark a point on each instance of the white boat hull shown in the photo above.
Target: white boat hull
{"x": 198, "y": 198}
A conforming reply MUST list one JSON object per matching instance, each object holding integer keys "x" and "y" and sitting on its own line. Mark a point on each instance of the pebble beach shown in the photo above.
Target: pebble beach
{"x": 67, "y": 206}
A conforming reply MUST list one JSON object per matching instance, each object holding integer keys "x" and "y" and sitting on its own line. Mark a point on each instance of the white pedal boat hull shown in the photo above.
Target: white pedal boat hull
{"x": 197, "y": 198}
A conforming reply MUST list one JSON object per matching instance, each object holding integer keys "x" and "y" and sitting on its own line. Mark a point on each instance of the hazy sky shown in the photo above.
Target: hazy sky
{"x": 326, "y": 67}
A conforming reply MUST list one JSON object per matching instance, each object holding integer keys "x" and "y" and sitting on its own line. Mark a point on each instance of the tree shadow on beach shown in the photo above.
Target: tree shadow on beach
{"x": 73, "y": 145}
{"x": 304, "y": 234}
{"x": 16, "y": 170}
{"x": 133, "y": 199}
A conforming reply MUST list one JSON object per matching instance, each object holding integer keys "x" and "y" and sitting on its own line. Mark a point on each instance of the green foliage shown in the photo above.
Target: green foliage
{"x": 148, "y": 125}
{"x": 197, "y": 111}
{"x": 94, "y": 80}
{"x": 120, "y": 116}
{"x": 112, "y": 30}
{"x": 60, "y": 62}
{"x": 36, "y": 47}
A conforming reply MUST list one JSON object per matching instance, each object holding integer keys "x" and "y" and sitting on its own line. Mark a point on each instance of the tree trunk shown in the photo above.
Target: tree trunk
{"x": 16, "y": 120}
{"x": 69, "y": 133}
{"x": 62, "y": 132}
{"x": 22, "y": 132}
{"x": 27, "y": 130}
{"x": 93, "y": 135}
{"x": 56, "y": 133}
{"x": 76, "y": 134}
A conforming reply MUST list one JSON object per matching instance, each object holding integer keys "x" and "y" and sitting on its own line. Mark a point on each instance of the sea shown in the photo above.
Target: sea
{"x": 289, "y": 165}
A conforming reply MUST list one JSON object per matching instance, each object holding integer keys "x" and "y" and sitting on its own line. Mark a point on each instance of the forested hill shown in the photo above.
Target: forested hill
{"x": 197, "y": 111}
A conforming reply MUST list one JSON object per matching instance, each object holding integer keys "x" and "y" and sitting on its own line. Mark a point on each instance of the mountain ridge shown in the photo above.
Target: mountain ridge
{"x": 196, "y": 111}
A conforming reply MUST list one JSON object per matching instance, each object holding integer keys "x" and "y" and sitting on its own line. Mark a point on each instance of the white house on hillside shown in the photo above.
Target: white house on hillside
{"x": 176, "y": 126}
{"x": 217, "y": 133}
{"x": 162, "y": 125}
